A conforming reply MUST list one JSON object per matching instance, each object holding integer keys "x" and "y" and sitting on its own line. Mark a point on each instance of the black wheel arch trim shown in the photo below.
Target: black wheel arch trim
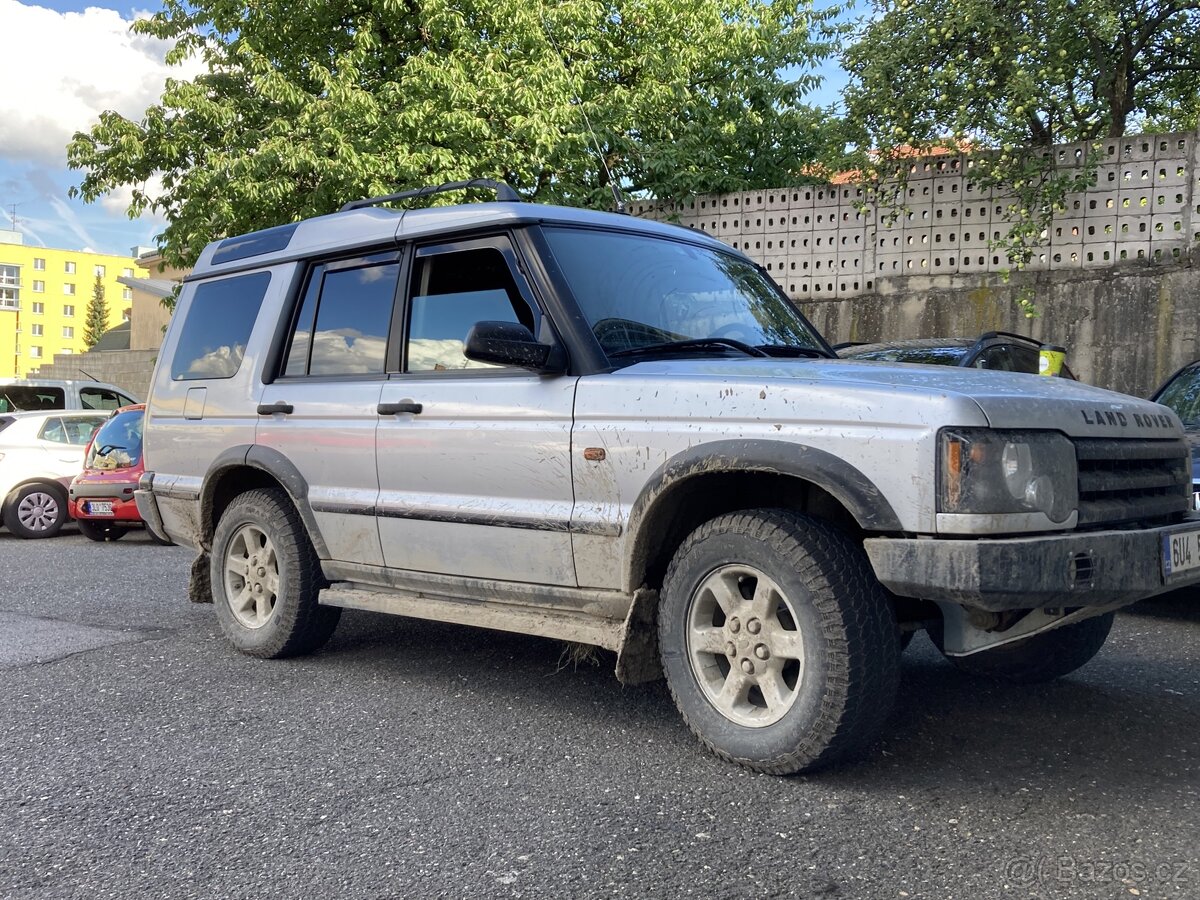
{"x": 846, "y": 484}
{"x": 273, "y": 463}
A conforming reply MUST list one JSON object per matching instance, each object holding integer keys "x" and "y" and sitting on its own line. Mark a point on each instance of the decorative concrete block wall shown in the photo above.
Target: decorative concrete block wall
{"x": 821, "y": 243}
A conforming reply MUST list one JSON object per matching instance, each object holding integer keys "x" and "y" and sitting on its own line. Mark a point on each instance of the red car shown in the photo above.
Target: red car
{"x": 101, "y": 496}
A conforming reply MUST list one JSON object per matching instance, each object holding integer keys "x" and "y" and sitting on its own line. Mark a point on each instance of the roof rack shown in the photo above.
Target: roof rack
{"x": 504, "y": 193}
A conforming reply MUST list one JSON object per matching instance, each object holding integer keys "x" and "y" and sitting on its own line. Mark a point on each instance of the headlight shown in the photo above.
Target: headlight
{"x": 985, "y": 472}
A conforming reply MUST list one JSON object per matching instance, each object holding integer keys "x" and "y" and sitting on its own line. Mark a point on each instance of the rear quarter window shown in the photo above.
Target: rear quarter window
{"x": 219, "y": 319}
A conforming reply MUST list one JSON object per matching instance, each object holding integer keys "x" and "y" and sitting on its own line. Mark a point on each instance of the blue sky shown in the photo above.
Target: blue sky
{"x": 63, "y": 63}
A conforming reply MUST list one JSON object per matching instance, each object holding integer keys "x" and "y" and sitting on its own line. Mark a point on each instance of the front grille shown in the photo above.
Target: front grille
{"x": 1122, "y": 481}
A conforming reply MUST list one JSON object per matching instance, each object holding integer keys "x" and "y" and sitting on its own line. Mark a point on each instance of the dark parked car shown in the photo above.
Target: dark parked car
{"x": 1182, "y": 394}
{"x": 992, "y": 350}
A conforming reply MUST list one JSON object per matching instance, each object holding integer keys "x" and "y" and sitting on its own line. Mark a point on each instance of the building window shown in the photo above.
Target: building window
{"x": 66, "y": 351}
{"x": 39, "y": 308}
{"x": 35, "y": 352}
{"x": 69, "y": 268}
{"x": 68, "y": 311}
{"x": 10, "y": 276}
{"x": 39, "y": 264}
{"x": 68, "y": 331}
{"x": 127, "y": 273}
{"x": 127, "y": 294}
{"x": 36, "y": 330}
{"x": 10, "y": 287}
{"x": 69, "y": 290}
{"x": 39, "y": 287}
{"x": 99, "y": 270}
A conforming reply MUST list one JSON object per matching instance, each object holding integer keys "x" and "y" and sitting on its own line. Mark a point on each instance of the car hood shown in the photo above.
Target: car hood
{"x": 1007, "y": 399}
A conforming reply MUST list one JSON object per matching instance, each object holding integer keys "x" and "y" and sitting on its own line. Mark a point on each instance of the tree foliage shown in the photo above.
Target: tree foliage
{"x": 97, "y": 315}
{"x": 300, "y": 110}
{"x": 1010, "y": 78}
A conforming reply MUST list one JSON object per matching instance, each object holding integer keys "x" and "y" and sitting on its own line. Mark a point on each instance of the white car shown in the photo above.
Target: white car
{"x": 40, "y": 452}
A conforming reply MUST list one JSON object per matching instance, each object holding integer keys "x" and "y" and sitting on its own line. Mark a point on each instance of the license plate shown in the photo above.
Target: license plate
{"x": 99, "y": 508}
{"x": 1180, "y": 552}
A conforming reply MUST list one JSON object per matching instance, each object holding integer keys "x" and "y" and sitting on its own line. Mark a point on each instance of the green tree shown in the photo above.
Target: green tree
{"x": 97, "y": 315}
{"x": 1009, "y": 78}
{"x": 298, "y": 113}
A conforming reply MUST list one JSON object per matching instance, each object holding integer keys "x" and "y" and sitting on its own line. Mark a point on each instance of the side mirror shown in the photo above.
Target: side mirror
{"x": 510, "y": 344}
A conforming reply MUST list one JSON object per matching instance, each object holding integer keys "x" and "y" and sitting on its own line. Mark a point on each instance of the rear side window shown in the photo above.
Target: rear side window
{"x": 73, "y": 430}
{"x": 213, "y": 340}
{"x": 18, "y": 397}
{"x": 342, "y": 325}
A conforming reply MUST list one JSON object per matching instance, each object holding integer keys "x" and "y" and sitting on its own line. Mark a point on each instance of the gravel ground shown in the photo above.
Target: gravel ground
{"x": 140, "y": 756}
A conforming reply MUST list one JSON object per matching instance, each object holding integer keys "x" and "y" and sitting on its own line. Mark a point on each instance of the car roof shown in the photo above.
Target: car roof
{"x": 372, "y": 226}
{"x": 57, "y": 413}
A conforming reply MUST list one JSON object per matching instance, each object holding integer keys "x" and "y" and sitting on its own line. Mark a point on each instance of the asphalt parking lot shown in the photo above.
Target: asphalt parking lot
{"x": 140, "y": 756}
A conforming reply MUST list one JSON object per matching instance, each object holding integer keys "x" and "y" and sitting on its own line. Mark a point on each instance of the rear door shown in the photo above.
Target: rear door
{"x": 321, "y": 411}
{"x": 474, "y": 460}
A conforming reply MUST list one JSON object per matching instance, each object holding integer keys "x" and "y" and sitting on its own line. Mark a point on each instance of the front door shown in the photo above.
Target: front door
{"x": 474, "y": 460}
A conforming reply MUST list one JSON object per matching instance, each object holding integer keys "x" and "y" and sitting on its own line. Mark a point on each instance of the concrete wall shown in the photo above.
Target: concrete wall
{"x": 1116, "y": 280}
{"x": 1125, "y": 328}
{"x": 129, "y": 369}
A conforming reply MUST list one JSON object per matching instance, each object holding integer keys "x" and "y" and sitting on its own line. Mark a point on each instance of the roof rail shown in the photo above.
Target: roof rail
{"x": 504, "y": 192}
{"x": 988, "y": 335}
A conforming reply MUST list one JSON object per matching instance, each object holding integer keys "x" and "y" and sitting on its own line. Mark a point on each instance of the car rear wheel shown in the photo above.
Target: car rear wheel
{"x": 266, "y": 578}
{"x": 780, "y": 648}
{"x": 100, "y": 531}
{"x": 36, "y": 510}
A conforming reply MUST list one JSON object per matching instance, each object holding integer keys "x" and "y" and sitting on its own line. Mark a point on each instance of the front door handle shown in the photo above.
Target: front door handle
{"x": 268, "y": 409}
{"x": 404, "y": 406}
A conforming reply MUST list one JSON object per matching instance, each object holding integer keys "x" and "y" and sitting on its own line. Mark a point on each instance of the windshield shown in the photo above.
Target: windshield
{"x": 118, "y": 443}
{"x": 637, "y": 291}
{"x": 1182, "y": 395}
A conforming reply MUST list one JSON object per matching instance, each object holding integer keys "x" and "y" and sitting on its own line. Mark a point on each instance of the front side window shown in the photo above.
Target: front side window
{"x": 342, "y": 325}
{"x": 219, "y": 319}
{"x": 637, "y": 291}
{"x": 100, "y": 398}
{"x": 450, "y": 293}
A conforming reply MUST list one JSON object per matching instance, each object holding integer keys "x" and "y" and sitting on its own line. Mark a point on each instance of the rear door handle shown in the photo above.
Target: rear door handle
{"x": 404, "y": 406}
{"x": 268, "y": 409}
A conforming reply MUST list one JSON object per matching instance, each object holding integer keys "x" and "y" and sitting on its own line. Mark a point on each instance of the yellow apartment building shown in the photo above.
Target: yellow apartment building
{"x": 44, "y": 297}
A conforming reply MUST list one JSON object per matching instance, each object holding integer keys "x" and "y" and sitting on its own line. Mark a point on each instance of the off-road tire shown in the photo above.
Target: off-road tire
{"x": 12, "y": 510}
{"x": 1043, "y": 657}
{"x": 100, "y": 531}
{"x": 297, "y": 623}
{"x": 851, "y": 642}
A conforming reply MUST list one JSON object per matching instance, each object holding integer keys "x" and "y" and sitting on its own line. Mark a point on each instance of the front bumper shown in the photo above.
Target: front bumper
{"x": 1096, "y": 568}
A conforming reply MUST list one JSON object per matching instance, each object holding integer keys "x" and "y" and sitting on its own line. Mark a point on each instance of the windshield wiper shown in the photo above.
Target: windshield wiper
{"x": 793, "y": 350}
{"x": 692, "y": 344}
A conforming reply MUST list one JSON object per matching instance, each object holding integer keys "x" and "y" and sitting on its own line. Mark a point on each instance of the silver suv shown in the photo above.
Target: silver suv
{"x": 622, "y": 433}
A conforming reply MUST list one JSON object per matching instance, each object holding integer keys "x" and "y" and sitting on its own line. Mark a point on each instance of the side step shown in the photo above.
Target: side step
{"x": 560, "y": 624}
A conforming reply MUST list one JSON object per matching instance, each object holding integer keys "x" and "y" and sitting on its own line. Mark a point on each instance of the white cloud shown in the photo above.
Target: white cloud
{"x": 61, "y": 70}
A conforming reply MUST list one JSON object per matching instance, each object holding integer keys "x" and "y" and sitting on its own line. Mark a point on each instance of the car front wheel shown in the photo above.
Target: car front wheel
{"x": 266, "y": 578}
{"x": 780, "y": 648}
{"x": 36, "y": 510}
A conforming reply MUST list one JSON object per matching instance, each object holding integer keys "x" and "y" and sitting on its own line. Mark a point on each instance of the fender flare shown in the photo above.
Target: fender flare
{"x": 846, "y": 484}
{"x": 279, "y": 467}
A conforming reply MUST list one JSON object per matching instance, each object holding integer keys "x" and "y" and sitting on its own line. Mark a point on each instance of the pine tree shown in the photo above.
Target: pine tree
{"x": 97, "y": 316}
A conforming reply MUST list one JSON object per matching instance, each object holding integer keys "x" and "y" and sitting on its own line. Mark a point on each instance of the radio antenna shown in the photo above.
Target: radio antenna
{"x": 618, "y": 199}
